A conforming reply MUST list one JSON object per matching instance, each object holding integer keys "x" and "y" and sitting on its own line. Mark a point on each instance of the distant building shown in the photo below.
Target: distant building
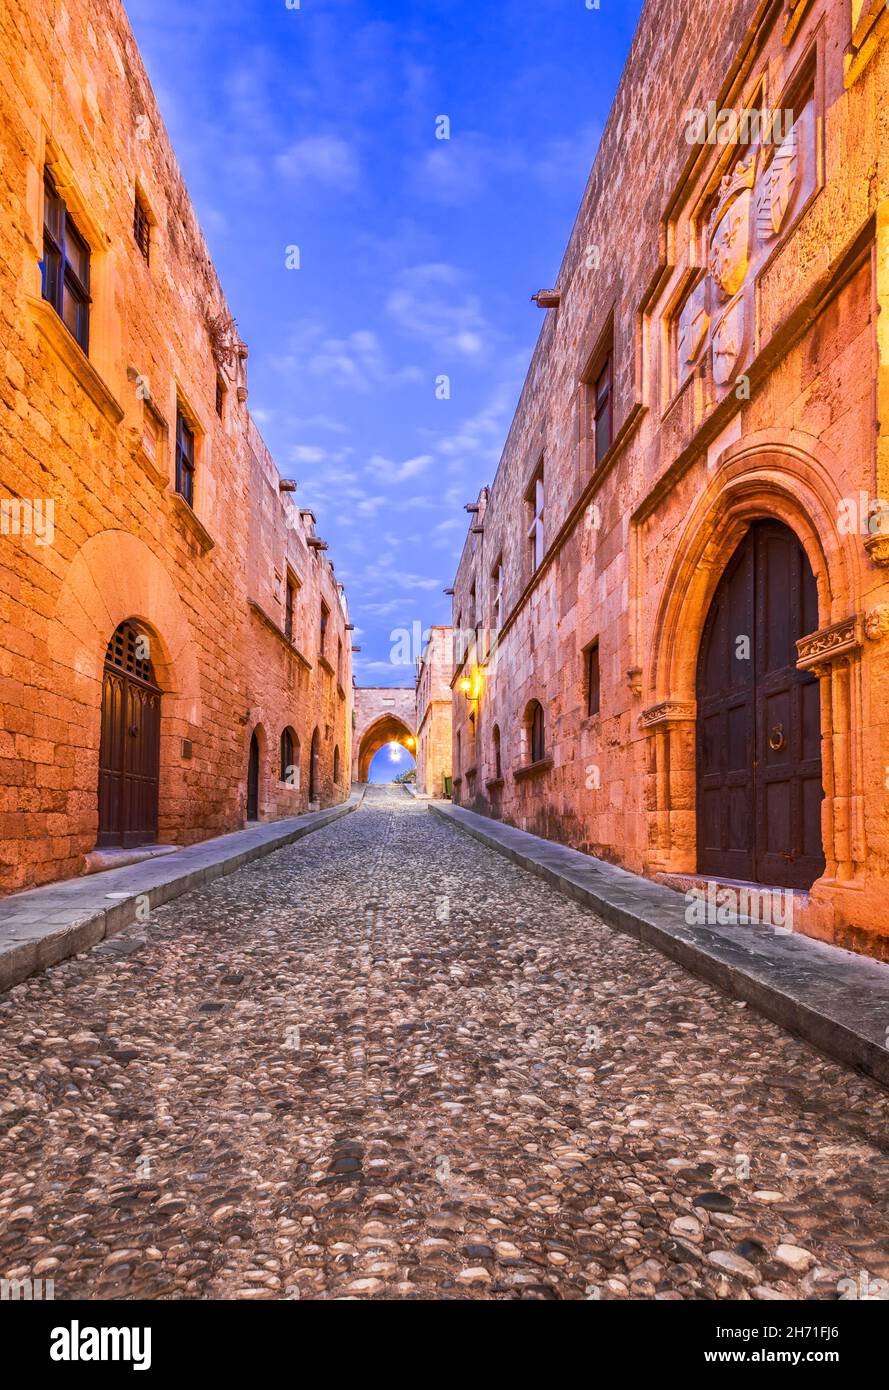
{"x": 433, "y": 712}
{"x": 677, "y": 586}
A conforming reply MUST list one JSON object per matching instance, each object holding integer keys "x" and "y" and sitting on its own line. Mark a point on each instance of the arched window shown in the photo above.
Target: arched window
{"x": 336, "y": 764}
{"x": 536, "y": 732}
{"x": 498, "y": 766}
{"x": 288, "y": 765}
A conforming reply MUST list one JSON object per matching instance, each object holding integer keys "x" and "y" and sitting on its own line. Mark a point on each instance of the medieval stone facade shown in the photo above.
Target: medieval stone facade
{"x": 434, "y": 670}
{"x": 174, "y": 644}
{"x": 677, "y": 586}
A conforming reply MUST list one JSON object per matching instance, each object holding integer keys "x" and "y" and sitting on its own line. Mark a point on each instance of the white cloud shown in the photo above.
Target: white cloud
{"x": 398, "y": 472}
{"x": 428, "y": 302}
{"x": 320, "y": 159}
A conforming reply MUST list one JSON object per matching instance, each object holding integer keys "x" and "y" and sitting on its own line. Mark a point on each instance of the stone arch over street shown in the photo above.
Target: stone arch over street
{"x": 382, "y": 715}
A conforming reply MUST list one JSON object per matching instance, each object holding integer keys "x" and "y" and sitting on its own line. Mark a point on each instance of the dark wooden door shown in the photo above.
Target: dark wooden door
{"x": 314, "y": 778}
{"x": 759, "y": 735}
{"x": 129, "y": 749}
{"x": 253, "y": 779}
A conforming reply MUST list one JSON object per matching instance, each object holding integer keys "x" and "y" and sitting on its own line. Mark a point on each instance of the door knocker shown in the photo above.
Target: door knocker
{"x": 776, "y": 738}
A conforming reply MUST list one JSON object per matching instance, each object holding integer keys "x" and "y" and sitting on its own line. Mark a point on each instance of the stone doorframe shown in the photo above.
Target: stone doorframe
{"x": 792, "y": 482}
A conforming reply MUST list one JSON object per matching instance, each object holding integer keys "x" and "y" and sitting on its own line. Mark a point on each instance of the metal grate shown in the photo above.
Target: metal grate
{"x": 142, "y": 229}
{"x": 130, "y": 650}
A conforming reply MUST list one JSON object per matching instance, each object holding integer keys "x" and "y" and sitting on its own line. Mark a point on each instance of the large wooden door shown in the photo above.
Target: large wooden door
{"x": 759, "y": 734}
{"x": 253, "y": 779}
{"x": 129, "y": 751}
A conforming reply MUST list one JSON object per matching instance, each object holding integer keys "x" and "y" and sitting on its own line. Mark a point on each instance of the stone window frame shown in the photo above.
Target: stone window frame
{"x": 68, "y": 279}
{"x": 535, "y": 509}
{"x": 192, "y": 510}
{"x": 590, "y": 652}
{"x": 97, "y": 371}
{"x": 589, "y": 375}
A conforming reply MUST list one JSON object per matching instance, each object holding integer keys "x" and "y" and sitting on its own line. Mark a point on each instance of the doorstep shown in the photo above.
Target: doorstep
{"x": 99, "y": 861}
{"x": 43, "y": 926}
{"x": 834, "y": 999}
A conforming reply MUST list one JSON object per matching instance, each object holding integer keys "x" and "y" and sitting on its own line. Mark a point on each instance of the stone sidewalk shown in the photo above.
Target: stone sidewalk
{"x": 46, "y": 925}
{"x": 836, "y": 1000}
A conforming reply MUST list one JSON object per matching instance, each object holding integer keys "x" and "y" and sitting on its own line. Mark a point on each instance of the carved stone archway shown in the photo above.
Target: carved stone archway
{"x": 115, "y": 577}
{"x": 389, "y": 728}
{"x": 789, "y": 482}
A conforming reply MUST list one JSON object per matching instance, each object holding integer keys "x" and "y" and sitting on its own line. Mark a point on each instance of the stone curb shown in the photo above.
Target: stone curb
{"x": 43, "y": 926}
{"x": 833, "y": 999}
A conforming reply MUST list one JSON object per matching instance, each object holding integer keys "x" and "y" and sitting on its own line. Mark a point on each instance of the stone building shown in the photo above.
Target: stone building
{"x": 678, "y": 582}
{"x": 433, "y": 718}
{"x": 383, "y": 714}
{"x": 174, "y": 648}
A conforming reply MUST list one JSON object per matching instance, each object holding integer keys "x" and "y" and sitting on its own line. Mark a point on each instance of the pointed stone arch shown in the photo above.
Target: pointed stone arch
{"x": 789, "y": 479}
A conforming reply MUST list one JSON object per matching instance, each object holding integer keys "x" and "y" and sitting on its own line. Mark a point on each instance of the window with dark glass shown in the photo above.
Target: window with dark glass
{"x": 602, "y": 414}
{"x": 220, "y": 397}
{"x": 322, "y": 630}
{"x": 538, "y": 738}
{"x": 142, "y": 228}
{"x": 286, "y": 754}
{"x": 184, "y": 458}
{"x": 336, "y": 764}
{"x": 592, "y": 680}
{"x": 498, "y": 770}
{"x": 66, "y": 267}
{"x": 289, "y": 606}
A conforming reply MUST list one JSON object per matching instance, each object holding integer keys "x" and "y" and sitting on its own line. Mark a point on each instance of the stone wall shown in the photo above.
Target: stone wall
{"x": 433, "y": 716}
{"x": 749, "y": 381}
{"x": 93, "y": 438}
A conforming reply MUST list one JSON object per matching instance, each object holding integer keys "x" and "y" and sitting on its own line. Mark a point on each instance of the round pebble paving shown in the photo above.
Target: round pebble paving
{"x": 384, "y": 1063}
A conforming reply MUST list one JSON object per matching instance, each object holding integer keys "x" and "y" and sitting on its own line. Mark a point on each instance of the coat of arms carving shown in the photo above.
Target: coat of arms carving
{"x": 728, "y": 341}
{"x": 777, "y": 188}
{"x": 691, "y": 330}
{"x": 730, "y": 234}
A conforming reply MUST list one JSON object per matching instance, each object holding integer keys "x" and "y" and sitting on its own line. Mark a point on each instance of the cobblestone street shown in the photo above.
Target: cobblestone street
{"x": 384, "y": 1062}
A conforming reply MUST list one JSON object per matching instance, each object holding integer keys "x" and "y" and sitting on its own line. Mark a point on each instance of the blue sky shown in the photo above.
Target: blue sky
{"x": 315, "y": 127}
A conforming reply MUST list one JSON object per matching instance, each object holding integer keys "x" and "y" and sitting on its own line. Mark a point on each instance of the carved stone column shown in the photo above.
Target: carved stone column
{"x": 670, "y": 726}
{"x": 834, "y": 656}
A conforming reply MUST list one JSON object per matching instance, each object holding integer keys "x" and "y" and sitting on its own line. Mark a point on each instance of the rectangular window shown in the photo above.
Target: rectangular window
{"x": 184, "y": 459}
{"x": 535, "y": 502}
{"x": 142, "y": 229}
{"x": 602, "y": 412}
{"x": 66, "y": 267}
{"x": 339, "y": 662}
{"x": 289, "y": 606}
{"x": 497, "y": 595}
{"x": 592, "y": 680}
{"x": 322, "y": 631}
{"x": 220, "y": 397}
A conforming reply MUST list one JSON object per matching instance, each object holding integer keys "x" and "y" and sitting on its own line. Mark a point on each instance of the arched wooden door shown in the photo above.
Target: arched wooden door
{"x": 129, "y": 749}
{"x": 759, "y": 720}
{"x": 253, "y": 779}
{"x": 314, "y": 771}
